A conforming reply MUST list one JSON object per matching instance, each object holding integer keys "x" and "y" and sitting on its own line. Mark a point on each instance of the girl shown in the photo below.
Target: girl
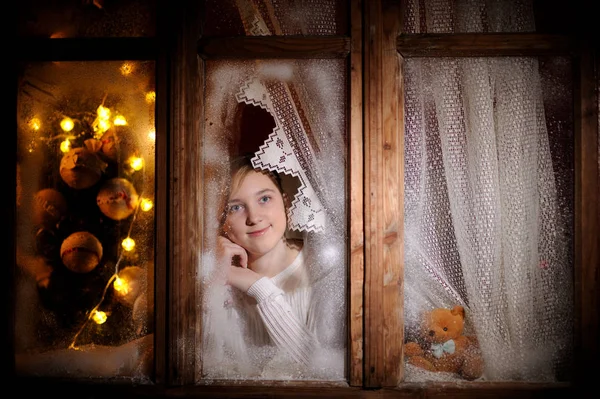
{"x": 270, "y": 301}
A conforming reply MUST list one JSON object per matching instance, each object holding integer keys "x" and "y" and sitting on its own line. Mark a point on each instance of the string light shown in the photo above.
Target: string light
{"x": 127, "y": 68}
{"x": 35, "y": 124}
{"x": 65, "y": 145}
{"x": 100, "y": 317}
{"x": 137, "y": 163}
{"x": 120, "y": 120}
{"x": 120, "y": 285}
{"x": 67, "y": 124}
{"x": 102, "y": 122}
{"x": 146, "y": 204}
{"x": 128, "y": 244}
{"x": 150, "y": 97}
{"x": 152, "y": 135}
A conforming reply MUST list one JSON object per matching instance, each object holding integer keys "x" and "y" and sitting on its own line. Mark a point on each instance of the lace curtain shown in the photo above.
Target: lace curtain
{"x": 486, "y": 223}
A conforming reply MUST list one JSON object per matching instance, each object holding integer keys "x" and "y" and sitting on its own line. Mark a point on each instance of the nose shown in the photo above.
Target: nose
{"x": 253, "y": 216}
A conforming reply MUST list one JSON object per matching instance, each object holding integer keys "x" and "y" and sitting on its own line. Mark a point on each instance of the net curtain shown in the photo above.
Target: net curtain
{"x": 483, "y": 225}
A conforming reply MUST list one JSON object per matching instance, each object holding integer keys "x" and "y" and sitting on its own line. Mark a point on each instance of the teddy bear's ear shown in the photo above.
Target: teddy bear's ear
{"x": 458, "y": 310}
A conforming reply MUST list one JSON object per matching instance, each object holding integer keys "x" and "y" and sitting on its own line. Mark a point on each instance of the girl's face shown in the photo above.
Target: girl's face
{"x": 256, "y": 215}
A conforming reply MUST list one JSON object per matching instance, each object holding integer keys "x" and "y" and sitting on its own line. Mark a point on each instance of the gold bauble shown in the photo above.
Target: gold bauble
{"x": 81, "y": 252}
{"x": 117, "y": 198}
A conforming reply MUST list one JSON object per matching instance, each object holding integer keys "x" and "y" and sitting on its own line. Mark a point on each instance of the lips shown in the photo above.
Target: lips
{"x": 258, "y": 233}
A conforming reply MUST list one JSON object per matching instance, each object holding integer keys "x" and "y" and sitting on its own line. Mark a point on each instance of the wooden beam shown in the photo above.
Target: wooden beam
{"x": 383, "y": 197}
{"x": 264, "y": 47}
{"x": 484, "y": 45}
{"x": 587, "y": 220}
{"x": 356, "y": 222}
{"x": 86, "y": 49}
{"x": 186, "y": 217}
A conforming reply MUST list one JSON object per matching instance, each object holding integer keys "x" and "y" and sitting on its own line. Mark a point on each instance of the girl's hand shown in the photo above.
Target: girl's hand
{"x": 241, "y": 278}
{"x": 229, "y": 253}
{"x": 235, "y": 260}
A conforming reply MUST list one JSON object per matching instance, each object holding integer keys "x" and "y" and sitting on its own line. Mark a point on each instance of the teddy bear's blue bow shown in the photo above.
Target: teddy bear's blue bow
{"x": 439, "y": 349}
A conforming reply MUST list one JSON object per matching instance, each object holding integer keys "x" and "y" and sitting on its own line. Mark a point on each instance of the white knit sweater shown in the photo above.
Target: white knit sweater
{"x": 276, "y": 312}
{"x": 269, "y": 327}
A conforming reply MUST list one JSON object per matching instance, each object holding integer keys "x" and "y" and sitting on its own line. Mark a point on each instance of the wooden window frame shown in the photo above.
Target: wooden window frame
{"x": 375, "y": 192}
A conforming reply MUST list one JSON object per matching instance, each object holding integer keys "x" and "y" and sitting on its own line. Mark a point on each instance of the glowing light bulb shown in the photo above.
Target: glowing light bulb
{"x": 146, "y": 204}
{"x": 65, "y": 146}
{"x": 152, "y": 135}
{"x": 67, "y": 124}
{"x": 121, "y": 286}
{"x": 120, "y": 120}
{"x": 136, "y": 163}
{"x": 35, "y": 124}
{"x": 99, "y": 317}
{"x": 150, "y": 97}
{"x": 128, "y": 244}
{"x": 126, "y": 68}
{"x": 103, "y": 112}
{"x": 103, "y": 125}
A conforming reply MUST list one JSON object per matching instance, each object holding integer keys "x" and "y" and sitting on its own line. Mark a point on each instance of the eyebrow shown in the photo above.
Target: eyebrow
{"x": 257, "y": 194}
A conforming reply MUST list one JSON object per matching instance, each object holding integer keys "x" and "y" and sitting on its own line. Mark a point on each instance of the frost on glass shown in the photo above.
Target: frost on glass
{"x": 290, "y": 117}
{"x": 489, "y": 210}
{"x": 91, "y": 18}
{"x": 85, "y": 219}
{"x": 275, "y": 17}
{"x": 466, "y": 16}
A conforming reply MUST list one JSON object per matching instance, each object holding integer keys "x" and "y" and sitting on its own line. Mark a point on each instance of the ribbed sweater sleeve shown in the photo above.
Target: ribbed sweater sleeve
{"x": 282, "y": 324}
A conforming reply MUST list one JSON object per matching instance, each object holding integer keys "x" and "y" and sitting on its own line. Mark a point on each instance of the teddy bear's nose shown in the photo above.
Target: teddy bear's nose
{"x": 431, "y": 333}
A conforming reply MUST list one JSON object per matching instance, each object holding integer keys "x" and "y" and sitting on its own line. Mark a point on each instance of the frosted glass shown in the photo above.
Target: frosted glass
{"x": 489, "y": 209}
{"x": 289, "y": 116}
{"x": 85, "y": 192}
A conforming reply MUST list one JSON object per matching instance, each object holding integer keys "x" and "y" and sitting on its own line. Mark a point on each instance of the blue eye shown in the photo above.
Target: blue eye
{"x": 234, "y": 208}
{"x": 264, "y": 199}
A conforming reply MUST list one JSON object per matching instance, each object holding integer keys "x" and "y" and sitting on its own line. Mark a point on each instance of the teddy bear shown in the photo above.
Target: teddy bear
{"x": 441, "y": 345}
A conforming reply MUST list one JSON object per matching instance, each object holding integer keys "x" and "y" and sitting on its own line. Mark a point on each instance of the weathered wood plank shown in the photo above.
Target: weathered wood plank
{"x": 185, "y": 196}
{"x": 484, "y": 45}
{"x": 587, "y": 221}
{"x": 382, "y": 338}
{"x": 357, "y": 233}
{"x": 393, "y": 205}
{"x": 263, "y": 47}
{"x": 161, "y": 210}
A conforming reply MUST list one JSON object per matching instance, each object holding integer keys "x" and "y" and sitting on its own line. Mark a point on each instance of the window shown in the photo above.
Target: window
{"x": 193, "y": 42}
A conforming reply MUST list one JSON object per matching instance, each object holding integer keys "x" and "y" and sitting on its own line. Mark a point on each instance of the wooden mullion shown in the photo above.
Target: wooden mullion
{"x": 383, "y": 193}
{"x": 185, "y": 191}
{"x": 484, "y": 45}
{"x": 356, "y": 222}
{"x": 87, "y": 49}
{"x": 587, "y": 220}
{"x": 277, "y": 47}
{"x": 161, "y": 209}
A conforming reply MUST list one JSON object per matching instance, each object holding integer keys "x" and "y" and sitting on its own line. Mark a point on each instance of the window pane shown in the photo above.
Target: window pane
{"x": 85, "y": 220}
{"x": 289, "y": 117}
{"x": 489, "y": 217}
{"x": 541, "y": 16}
{"x": 275, "y": 17}
{"x": 92, "y": 18}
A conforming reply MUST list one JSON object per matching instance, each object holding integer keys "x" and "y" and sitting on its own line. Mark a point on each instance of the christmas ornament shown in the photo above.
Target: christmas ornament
{"x": 49, "y": 207}
{"x": 81, "y": 252}
{"x": 117, "y": 198}
{"x": 110, "y": 144}
{"x": 131, "y": 281}
{"x": 81, "y": 168}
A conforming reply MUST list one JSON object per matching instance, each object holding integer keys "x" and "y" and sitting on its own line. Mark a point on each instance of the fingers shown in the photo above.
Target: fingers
{"x": 231, "y": 254}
